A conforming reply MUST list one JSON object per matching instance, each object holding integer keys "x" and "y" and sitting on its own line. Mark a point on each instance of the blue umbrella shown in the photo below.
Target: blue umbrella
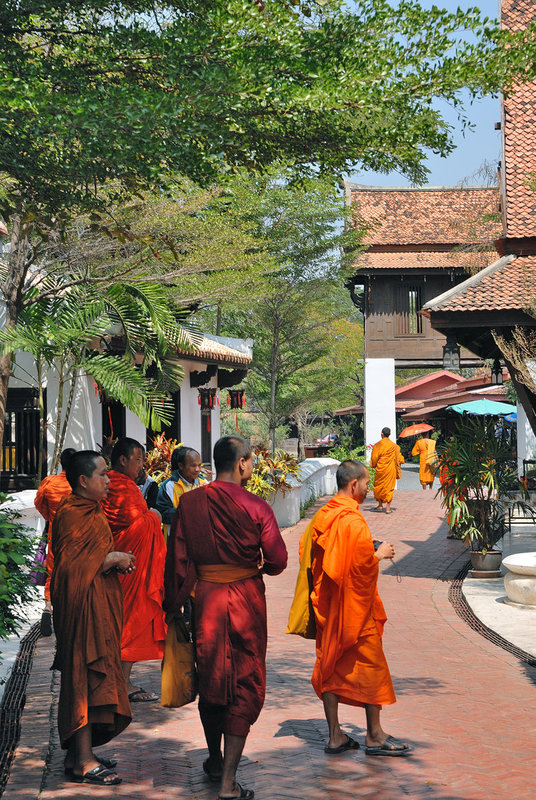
{"x": 483, "y": 407}
{"x": 511, "y": 417}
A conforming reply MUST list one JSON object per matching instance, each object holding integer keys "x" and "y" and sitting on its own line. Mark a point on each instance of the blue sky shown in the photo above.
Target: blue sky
{"x": 481, "y": 144}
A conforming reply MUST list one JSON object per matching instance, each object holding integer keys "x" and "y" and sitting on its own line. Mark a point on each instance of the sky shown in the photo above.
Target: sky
{"x": 481, "y": 144}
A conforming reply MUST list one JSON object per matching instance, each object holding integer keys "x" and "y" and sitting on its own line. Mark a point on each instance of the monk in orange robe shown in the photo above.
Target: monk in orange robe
{"x": 51, "y": 492}
{"x": 386, "y": 459}
{"x": 88, "y": 610}
{"x": 138, "y": 530}
{"x": 350, "y": 664}
{"x": 426, "y": 450}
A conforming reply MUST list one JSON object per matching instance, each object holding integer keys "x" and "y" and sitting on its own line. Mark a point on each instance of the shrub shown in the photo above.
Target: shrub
{"x": 270, "y": 472}
{"x": 16, "y": 553}
{"x": 158, "y": 458}
{"x": 342, "y": 453}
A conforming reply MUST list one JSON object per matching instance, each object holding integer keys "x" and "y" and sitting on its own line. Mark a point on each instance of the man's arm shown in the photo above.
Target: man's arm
{"x": 164, "y": 503}
{"x": 273, "y": 547}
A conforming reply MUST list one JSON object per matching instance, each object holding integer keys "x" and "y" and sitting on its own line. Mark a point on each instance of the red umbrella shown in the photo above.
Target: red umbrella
{"x": 413, "y": 430}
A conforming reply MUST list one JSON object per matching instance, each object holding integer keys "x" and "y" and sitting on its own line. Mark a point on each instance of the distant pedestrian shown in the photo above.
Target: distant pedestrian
{"x": 51, "y": 492}
{"x": 88, "y": 613}
{"x": 350, "y": 664}
{"x": 186, "y": 467}
{"x": 426, "y": 450}
{"x": 222, "y": 540}
{"x": 386, "y": 459}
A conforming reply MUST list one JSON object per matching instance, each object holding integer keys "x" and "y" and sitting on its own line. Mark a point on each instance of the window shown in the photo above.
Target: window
{"x": 20, "y": 447}
{"x": 408, "y": 302}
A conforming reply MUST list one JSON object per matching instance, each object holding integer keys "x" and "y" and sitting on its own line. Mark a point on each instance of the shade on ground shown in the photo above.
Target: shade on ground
{"x": 483, "y": 407}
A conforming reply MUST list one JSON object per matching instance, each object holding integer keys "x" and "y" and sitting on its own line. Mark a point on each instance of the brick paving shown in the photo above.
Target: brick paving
{"x": 465, "y": 705}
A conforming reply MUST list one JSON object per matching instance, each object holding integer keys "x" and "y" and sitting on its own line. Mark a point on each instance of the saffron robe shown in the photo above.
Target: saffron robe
{"x": 88, "y": 614}
{"x": 349, "y": 612}
{"x": 51, "y": 492}
{"x": 222, "y": 524}
{"x": 426, "y": 450}
{"x": 386, "y": 459}
{"x": 136, "y": 529}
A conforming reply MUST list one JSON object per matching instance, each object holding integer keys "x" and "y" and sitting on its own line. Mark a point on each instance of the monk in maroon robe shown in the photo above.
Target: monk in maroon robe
{"x": 88, "y": 612}
{"x": 222, "y": 540}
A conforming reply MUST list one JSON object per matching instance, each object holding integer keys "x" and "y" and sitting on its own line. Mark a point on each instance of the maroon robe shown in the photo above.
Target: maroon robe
{"x": 221, "y": 523}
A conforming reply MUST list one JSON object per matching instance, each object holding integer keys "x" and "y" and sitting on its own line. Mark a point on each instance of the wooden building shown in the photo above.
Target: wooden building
{"x": 419, "y": 243}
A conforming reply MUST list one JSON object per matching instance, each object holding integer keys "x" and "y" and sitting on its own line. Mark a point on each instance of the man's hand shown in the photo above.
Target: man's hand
{"x": 122, "y": 562}
{"x": 385, "y": 550}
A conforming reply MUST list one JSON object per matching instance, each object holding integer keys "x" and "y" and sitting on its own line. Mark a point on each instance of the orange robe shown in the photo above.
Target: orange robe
{"x": 136, "y": 529}
{"x": 51, "y": 492}
{"x": 386, "y": 459}
{"x": 426, "y": 450}
{"x": 88, "y": 614}
{"x": 349, "y": 612}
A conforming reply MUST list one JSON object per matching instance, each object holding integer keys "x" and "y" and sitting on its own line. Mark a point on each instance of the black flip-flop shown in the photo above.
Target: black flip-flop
{"x": 245, "y": 794}
{"x": 108, "y": 763}
{"x": 391, "y": 747}
{"x": 349, "y": 744}
{"x": 133, "y": 696}
{"x": 98, "y": 775}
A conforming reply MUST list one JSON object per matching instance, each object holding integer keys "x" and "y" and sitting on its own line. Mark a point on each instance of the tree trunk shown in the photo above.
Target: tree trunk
{"x": 274, "y": 360}
{"x": 12, "y": 295}
{"x": 300, "y": 428}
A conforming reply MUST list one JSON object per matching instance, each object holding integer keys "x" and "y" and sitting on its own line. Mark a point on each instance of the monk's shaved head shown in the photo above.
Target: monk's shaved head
{"x": 228, "y": 451}
{"x": 83, "y": 462}
{"x": 386, "y": 432}
{"x": 349, "y": 471}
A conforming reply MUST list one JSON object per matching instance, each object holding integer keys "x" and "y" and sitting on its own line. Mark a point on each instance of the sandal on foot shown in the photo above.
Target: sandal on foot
{"x": 150, "y": 697}
{"x": 349, "y": 744}
{"x": 215, "y": 777}
{"x": 245, "y": 794}
{"x": 109, "y": 763}
{"x": 98, "y": 775}
{"x": 390, "y": 747}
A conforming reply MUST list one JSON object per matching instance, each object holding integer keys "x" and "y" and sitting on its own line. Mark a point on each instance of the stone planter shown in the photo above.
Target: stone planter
{"x": 520, "y": 580}
{"x": 486, "y": 565}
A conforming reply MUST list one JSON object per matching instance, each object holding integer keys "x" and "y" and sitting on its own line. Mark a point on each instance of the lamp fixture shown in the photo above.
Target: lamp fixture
{"x": 496, "y": 373}
{"x": 451, "y": 353}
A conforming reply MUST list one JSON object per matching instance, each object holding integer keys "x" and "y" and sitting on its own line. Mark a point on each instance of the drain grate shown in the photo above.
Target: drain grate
{"x": 465, "y": 612}
{"x": 13, "y": 702}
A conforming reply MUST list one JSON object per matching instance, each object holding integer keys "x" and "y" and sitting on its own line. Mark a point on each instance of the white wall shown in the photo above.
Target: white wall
{"x": 526, "y": 441}
{"x": 379, "y": 399}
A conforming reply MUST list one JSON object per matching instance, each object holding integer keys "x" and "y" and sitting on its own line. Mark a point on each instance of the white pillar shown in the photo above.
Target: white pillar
{"x": 379, "y": 399}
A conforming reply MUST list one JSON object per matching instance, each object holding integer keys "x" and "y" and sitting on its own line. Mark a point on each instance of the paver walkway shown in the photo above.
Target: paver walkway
{"x": 466, "y": 705}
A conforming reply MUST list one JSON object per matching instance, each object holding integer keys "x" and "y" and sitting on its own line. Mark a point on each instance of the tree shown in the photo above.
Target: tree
{"x": 126, "y": 93}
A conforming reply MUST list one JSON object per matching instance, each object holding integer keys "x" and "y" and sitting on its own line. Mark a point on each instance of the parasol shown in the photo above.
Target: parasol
{"x": 413, "y": 430}
{"x": 483, "y": 408}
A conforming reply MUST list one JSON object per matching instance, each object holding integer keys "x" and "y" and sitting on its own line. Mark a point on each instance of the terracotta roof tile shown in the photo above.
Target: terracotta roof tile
{"x": 519, "y": 110}
{"x": 507, "y": 285}
{"x": 217, "y": 351}
{"x": 438, "y": 215}
{"x": 470, "y": 262}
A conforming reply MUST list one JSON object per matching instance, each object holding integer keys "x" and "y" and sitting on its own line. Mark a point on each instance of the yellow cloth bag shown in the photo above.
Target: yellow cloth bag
{"x": 179, "y": 676}
{"x": 301, "y": 619}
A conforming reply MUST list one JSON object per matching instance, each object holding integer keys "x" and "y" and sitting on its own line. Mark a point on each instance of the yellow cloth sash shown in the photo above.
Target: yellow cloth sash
{"x": 225, "y": 573}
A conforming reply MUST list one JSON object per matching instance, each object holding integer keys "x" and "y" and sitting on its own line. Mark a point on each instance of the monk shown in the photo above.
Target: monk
{"x": 185, "y": 475}
{"x": 386, "y": 459}
{"x": 222, "y": 540}
{"x": 136, "y": 529}
{"x": 88, "y": 611}
{"x": 350, "y": 664}
{"x": 51, "y": 492}
{"x": 426, "y": 450}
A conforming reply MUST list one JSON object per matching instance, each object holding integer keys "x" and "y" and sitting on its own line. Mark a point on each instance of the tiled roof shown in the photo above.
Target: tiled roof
{"x": 519, "y": 109}
{"x": 439, "y": 215}
{"x": 507, "y": 285}
{"x": 470, "y": 262}
{"x": 216, "y": 351}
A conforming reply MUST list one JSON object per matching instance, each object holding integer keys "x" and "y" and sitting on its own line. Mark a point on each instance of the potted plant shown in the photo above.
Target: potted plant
{"x": 479, "y": 483}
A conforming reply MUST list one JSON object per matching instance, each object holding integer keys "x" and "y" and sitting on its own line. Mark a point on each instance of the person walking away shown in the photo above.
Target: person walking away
{"x": 51, "y": 492}
{"x": 350, "y": 664}
{"x": 222, "y": 541}
{"x": 386, "y": 459}
{"x": 88, "y": 610}
{"x": 185, "y": 476}
{"x": 426, "y": 450}
{"x": 138, "y": 530}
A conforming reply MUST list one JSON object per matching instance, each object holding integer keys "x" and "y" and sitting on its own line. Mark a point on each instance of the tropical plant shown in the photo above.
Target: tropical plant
{"x": 342, "y": 453}
{"x": 479, "y": 482}
{"x": 158, "y": 457}
{"x": 271, "y": 472}
{"x": 16, "y": 551}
